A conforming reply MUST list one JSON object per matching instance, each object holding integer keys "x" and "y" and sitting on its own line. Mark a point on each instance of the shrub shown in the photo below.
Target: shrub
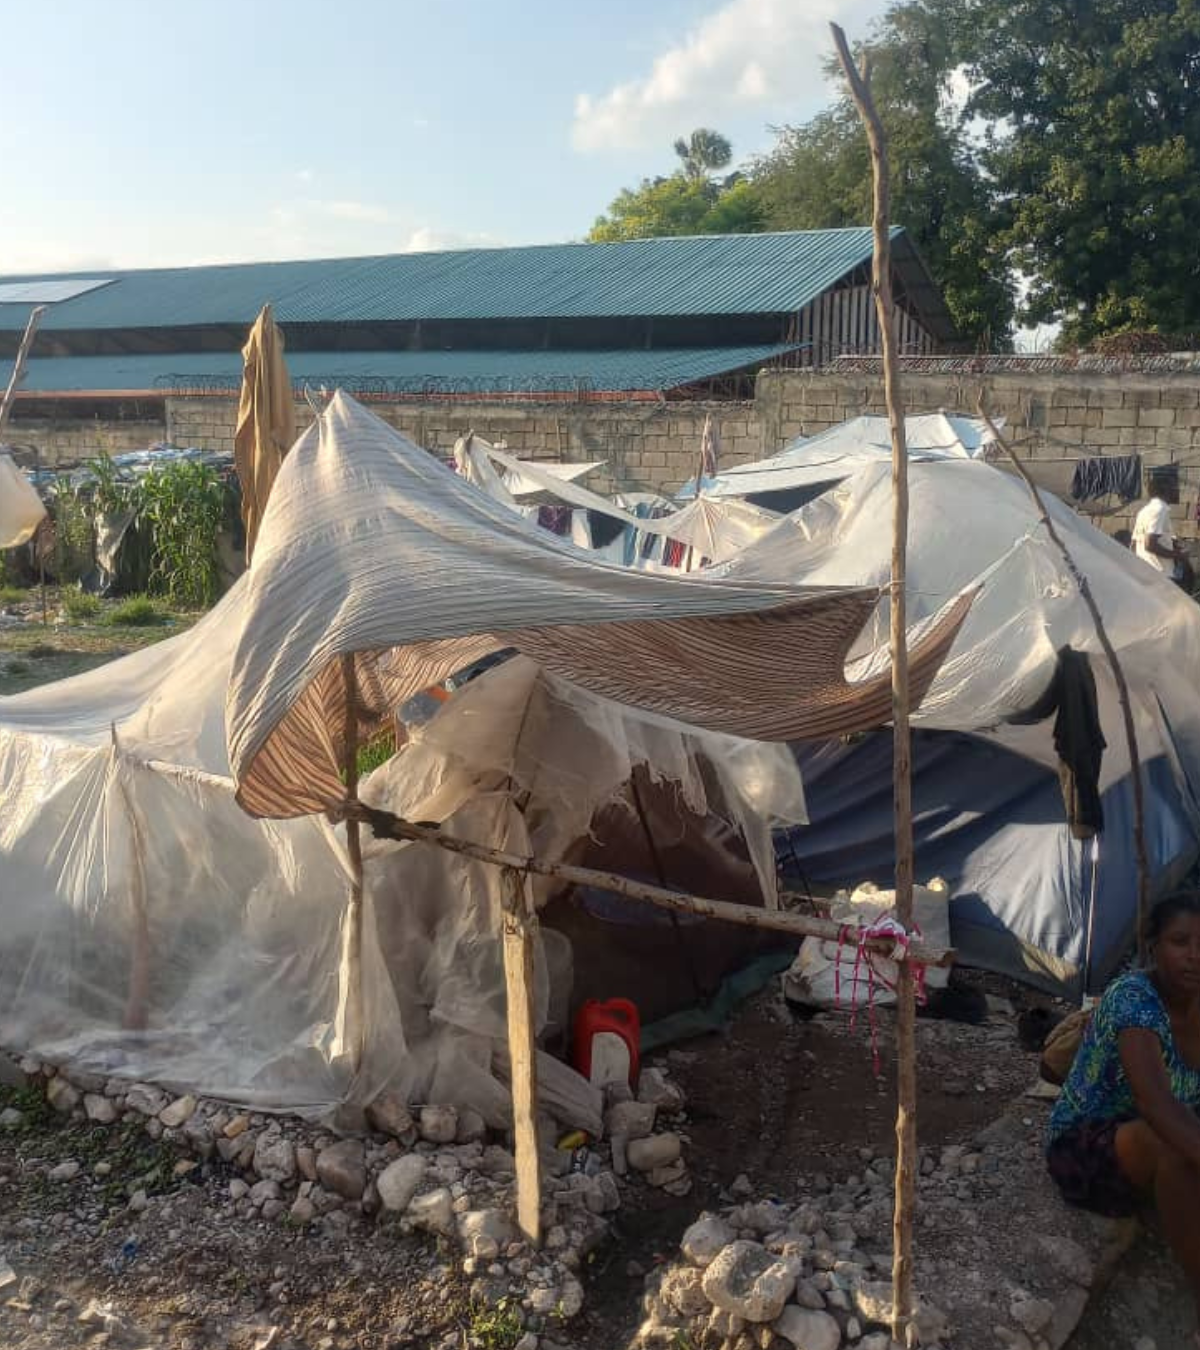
{"x": 81, "y": 606}
{"x": 139, "y": 611}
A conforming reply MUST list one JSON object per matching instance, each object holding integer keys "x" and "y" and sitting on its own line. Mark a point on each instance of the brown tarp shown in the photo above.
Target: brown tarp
{"x": 266, "y": 421}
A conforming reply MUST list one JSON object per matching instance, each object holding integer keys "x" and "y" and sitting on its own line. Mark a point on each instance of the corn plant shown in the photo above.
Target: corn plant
{"x": 183, "y": 504}
{"x": 74, "y": 549}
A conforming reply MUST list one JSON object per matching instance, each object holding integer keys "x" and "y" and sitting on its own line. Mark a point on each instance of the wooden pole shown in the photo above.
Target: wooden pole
{"x": 1118, "y": 673}
{"x": 520, "y": 929}
{"x": 18, "y": 370}
{"x": 385, "y": 825}
{"x": 354, "y": 1003}
{"x": 136, "y": 1016}
{"x": 903, "y": 1329}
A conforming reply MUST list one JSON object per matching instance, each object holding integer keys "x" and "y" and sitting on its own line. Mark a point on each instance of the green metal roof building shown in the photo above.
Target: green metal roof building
{"x": 657, "y": 318}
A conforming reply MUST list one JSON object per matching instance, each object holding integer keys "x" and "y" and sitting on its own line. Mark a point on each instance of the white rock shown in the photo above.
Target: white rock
{"x": 683, "y": 1289}
{"x": 390, "y": 1115}
{"x": 433, "y": 1212}
{"x": 398, "y": 1182}
{"x": 342, "y": 1169}
{"x": 527, "y": 1342}
{"x": 439, "y": 1124}
{"x": 302, "y": 1211}
{"x": 99, "y": 1109}
{"x": 481, "y": 1230}
{"x": 65, "y": 1171}
{"x": 744, "y": 1278}
{"x": 656, "y": 1089}
{"x": 262, "y": 1191}
{"x": 238, "y": 1188}
{"x": 741, "y": 1185}
{"x": 138, "y": 1201}
{"x": 10, "y": 1118}
{"x": 274, "y": 1157}
{"x": 660, "y": 1150}
{"x": 705, "y": 1238}
{"x": 570, "y": 1297}
{"x": 179, "y": 1112}
{"x": 808, "y": 1330}
{"x": 144, "y": 1099}
{"x": 1031, "y": 1314}
{"x": 61, "y": 1095}
{"x": 634, "y": 1120}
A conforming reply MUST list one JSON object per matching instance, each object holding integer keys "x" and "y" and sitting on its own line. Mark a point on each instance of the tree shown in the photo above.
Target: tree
{"x": 1093, "y": 142}
{"x": 703, "y": 152}
{"x": 818, "y": 175}
{"x": 689, "y": 201}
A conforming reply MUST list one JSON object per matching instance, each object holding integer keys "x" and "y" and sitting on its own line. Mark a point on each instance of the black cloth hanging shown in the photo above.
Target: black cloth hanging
{"x": 1078, "y": 740}
{"x": 1121, "y": 474}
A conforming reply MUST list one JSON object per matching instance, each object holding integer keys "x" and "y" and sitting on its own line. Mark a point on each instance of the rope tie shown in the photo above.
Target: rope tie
{"x": 884, "y": 927}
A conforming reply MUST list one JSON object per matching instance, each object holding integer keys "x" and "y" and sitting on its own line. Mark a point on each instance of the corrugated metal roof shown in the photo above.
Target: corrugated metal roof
{"x": 403, "y": 372}
{"x": 706, "y": 274}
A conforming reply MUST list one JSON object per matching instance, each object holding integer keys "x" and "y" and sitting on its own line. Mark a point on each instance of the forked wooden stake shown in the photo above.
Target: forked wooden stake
{"x": 903, "y": 1329}
{"x": 520, "y": 929}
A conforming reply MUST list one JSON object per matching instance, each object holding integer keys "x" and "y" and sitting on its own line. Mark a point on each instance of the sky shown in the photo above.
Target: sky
{"x": 145, "y": 134}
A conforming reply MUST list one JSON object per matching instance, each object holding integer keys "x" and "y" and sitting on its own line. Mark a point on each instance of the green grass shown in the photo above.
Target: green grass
{"x": 12, "y": 595}
{"x": 138, "y": 611}
{"x": 498, "y": 1328}
{"x": 80, "y": 606}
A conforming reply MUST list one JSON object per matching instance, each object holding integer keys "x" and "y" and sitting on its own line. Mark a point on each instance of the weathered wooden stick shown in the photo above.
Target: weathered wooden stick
{"x": 136, "y": 1015}
{"x": 18, "y": 370}
{"x": 520, "y": 928}
{"x": 1110, "y": 655}
{"x": 385, "y": 825}
{"x": 355, "y": 1028}
{"x": 903, "y": 1329}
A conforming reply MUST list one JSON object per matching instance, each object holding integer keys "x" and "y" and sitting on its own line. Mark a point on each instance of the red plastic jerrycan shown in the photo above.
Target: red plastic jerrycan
{"x": 607, "y": 1036}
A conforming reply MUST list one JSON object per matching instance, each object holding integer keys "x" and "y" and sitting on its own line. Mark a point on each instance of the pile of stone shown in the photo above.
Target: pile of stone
{"x": 763, "y": 1275}
{"x": 431, "y": 1169}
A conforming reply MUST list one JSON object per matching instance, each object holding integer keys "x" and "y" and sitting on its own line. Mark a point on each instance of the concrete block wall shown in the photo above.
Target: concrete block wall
{"x": 645, "y": 445}
{"x": 63, "y": 442}
{"x": 1052, "y": 420}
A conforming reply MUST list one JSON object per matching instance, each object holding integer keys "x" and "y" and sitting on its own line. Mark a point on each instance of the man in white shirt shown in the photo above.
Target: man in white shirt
{"x": 1153, "y": 534}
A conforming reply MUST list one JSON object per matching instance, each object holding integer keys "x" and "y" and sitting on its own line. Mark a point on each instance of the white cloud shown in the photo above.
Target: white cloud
{"x": 427, "y": 239}
{"x": 764, "y": 55}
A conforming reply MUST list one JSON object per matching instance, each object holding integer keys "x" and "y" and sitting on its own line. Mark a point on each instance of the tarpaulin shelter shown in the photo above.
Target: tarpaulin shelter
{"x": 150, "y": 928}
{"x": 809, "y": 463}
{"x": 988, "y": 811}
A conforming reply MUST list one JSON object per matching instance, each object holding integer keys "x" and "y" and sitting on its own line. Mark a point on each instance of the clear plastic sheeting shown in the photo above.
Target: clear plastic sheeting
{"x": 149, "y": 929}
{"x": 21, "y": 509}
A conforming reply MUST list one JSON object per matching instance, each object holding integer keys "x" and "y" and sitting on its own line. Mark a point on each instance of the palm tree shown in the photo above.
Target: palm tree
{"x": 703, "y": 152}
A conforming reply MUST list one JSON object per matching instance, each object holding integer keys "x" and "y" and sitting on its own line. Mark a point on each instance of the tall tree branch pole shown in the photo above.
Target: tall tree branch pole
{"x": 354, "y": 995}
{"x": 1114, "y": 664}
{"x": 18, "y": 370}
{"x": 903, "y": 1329}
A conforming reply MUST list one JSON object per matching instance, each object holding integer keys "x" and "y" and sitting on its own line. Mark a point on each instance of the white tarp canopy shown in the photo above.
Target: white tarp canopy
{"x": 21, "y": 509}
{"x": 372, "y": 550}
{"x": 150, "y": 929}
{"x": 844, "y": 449}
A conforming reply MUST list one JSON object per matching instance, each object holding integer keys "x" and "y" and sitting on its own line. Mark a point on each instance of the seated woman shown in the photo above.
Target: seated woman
{"x": 1125, "y": 1130}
